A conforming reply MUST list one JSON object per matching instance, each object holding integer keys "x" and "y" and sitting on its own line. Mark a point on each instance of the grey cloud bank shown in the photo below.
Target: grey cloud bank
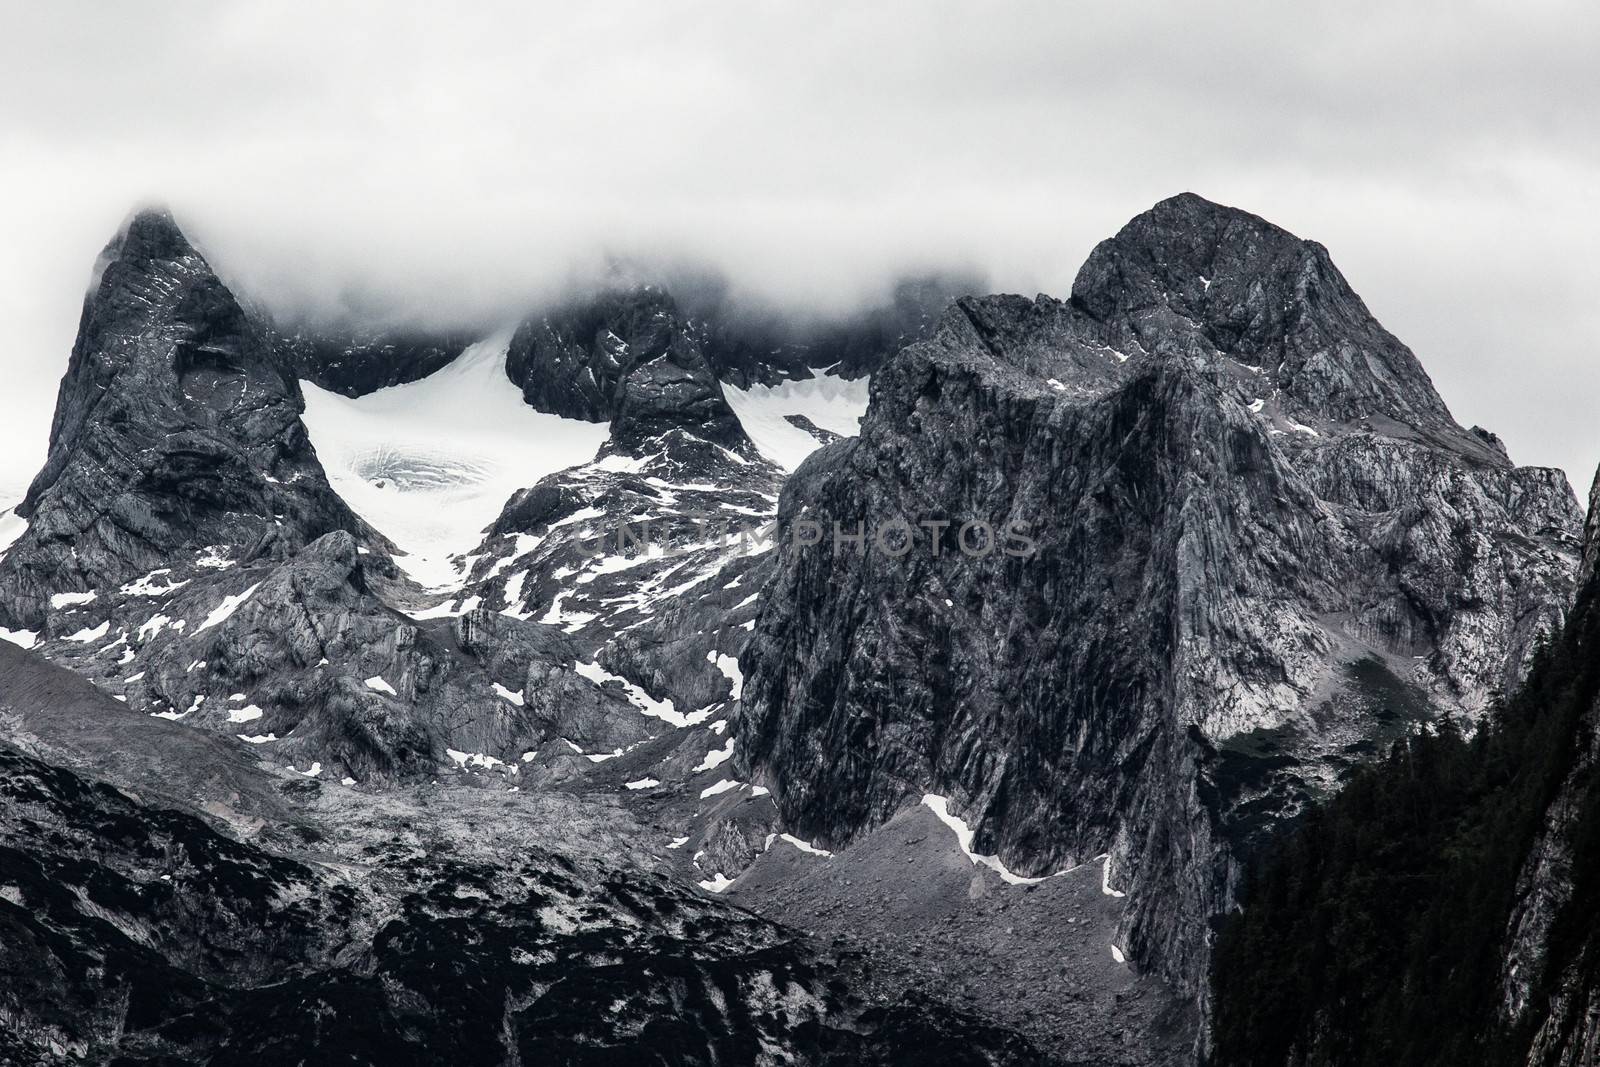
{"x": 454, "y": 166}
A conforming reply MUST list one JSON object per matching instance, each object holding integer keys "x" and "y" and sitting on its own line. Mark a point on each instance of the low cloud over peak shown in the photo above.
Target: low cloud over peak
{"x": 434, "y": 165}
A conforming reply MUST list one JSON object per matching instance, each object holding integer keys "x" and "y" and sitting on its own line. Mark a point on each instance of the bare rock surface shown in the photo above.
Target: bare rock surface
{"x": 378, "y": 928}
{"x": 1261, "y": 548}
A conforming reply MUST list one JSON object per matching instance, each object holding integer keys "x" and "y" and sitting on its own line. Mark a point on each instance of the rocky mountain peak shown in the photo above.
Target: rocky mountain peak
{"x": 176, "y": 431}
{"x": 1190, "y": 275}
{"x": 151, "y": 233}
{"x": 1177, "y": 250}
{"x": 1261, "y": 550}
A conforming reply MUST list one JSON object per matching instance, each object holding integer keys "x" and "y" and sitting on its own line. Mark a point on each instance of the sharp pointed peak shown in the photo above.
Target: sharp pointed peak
{"x": 148, "y": 234}
{"x": 151, "y": 231}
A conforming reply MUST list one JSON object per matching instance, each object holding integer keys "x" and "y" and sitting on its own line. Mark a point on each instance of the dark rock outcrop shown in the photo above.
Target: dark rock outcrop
{"x": 570, "y": 361}
{"x": 627, "y": 356}
{"x": 358, "y": 362}
{"x": 1260, "y": 547}
{"x": 674, "y": 391}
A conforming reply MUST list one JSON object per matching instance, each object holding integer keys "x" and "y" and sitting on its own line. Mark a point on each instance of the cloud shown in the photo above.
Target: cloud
{"x": 454, "y": 164}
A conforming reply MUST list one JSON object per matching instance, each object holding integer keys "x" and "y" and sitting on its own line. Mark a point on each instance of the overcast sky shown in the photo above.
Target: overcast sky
{"x": 1447, "y": 154}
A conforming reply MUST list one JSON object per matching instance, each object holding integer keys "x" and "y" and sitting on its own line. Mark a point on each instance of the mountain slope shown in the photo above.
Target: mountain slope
{"x": 377, "y": 929}
{"x": 1441, "y": 909}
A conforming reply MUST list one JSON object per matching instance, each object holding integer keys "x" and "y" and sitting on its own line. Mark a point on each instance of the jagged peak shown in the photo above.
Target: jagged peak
{"x": 148, "y": 234}
{"x": 151, "y": 232}
{"x": 1271, "y": 301}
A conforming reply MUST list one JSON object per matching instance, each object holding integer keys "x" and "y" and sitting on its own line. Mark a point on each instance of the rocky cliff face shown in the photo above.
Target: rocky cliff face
{"x": 1551, "y": 943}
{"x": 1239, "y": 542}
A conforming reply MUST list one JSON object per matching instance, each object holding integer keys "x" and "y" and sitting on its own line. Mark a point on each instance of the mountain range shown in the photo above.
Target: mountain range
{"x": 650, "y": 680}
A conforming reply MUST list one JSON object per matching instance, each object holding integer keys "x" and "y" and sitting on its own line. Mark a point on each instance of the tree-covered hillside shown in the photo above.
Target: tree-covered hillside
{"x": 1374, "y": 934}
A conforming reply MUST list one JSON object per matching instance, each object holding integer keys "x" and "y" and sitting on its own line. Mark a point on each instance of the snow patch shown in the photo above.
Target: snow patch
{"x": 1105, "y": 879}
{"x": 715, "y": 758}
{"x": 154, "y": 625}
{"x": 513, "y": 596}
{"x": 431, "y": 463}
{"x": 379, "y": 684}
{"x": 804, "y": 846}
{"x": 659, "y": 709}
{"x": 473, "y": 759}
{"x": 830, "y": 403}
{"x": 225, "y": 610}
{"x": 148, "y": 585}
{"x": 214, "y": 557}
{"x": 20, "y": 638}
{"x": 67, "y": 600}
{"x": 717, "y": 790}
{"x": 90, "y": 633}
{"x": 729, "y": 666}
{"x": 940, "y": 806}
